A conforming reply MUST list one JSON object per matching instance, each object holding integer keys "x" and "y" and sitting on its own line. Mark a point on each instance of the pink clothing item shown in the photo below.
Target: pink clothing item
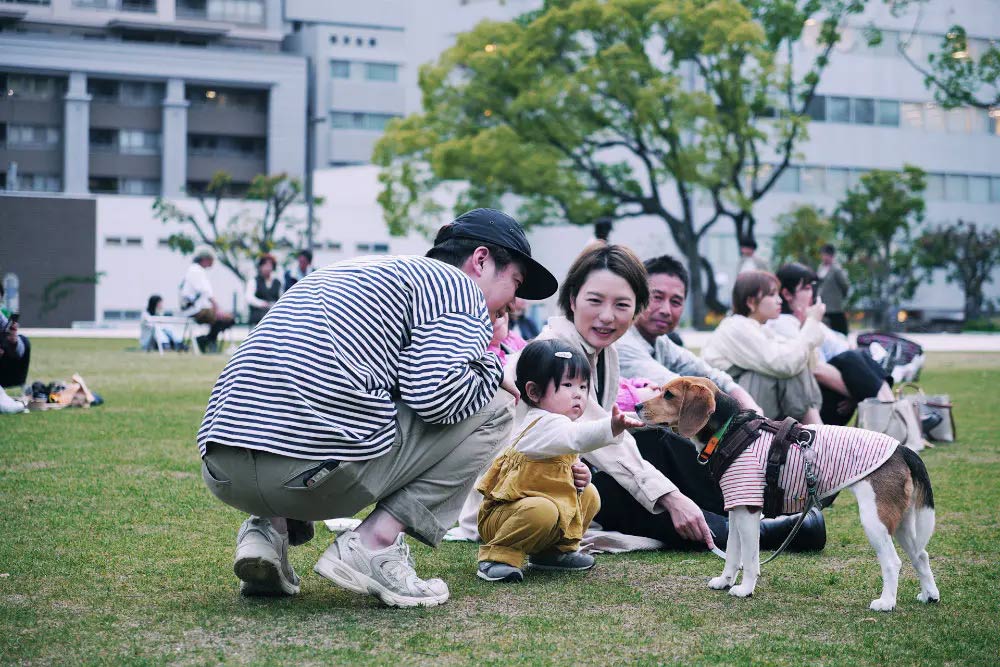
{"x": 843, "y": 456}
{"x": 513, "y": 342}
{"x": 628, "y": 396}
{"x": 497, "y": 350}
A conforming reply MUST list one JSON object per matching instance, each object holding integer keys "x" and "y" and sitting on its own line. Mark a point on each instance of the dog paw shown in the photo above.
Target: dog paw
{"x": 720, "y": 583}
{"x": 741, "y": 591}
{"x": 929, "y": 597}
{"x": 882, "y": 605}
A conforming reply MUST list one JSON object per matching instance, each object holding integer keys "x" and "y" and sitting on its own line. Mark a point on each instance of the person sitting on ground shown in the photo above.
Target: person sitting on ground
{"x": 845, "y": 376}
{"x": 773, "y": 369}
{"x": 15, "y": 350}
{"x": 153, "y": 336}
{"x": 532, "y": 506}
{"x": 263, "y": 291}
{"x": 198, "y": 302}
{"x": 302, "y": 268}
{"x": 369, "y": 383}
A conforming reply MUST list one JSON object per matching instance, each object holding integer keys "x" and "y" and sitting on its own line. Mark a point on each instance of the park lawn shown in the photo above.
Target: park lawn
{"x": 113, "y": 552}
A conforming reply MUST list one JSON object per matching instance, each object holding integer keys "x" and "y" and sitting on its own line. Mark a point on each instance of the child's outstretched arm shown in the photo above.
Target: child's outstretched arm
{"x": 555, "y": 435}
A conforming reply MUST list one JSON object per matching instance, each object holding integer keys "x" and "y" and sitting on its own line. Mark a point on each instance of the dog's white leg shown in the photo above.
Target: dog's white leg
{"x": 913, "y": 534}
{"x": 747, "y": 522}
{"x": 732, "y": 568}
{"x": 881, "y": 541}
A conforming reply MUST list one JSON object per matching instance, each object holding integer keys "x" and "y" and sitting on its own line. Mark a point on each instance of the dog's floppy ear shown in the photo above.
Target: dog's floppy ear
{"x": 698, "y": 403}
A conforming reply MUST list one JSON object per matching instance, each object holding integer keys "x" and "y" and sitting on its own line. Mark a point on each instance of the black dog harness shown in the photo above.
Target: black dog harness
{"x": 740, "y": 432}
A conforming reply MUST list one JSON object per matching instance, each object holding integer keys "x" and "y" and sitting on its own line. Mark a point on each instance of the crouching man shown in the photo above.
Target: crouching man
{"x": 369, "y": 383}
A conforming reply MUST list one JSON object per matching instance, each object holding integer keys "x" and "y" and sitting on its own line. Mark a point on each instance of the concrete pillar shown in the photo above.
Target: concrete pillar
{"x": 76, "y": 136}
{"x": 173, "y": 169}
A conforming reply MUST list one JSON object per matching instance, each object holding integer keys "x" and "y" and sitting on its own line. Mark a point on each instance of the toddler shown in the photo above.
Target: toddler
{"x": 531, "y": 504}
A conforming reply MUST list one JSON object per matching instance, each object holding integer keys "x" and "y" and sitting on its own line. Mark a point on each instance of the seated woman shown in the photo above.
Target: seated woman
{"x": 773, "y": 369}
{"x": 152, "y": 335}
{"x": 845, "y": 376}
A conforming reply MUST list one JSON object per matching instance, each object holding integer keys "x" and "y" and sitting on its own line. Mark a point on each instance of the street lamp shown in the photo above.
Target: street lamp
{"x": 311, "y": 123}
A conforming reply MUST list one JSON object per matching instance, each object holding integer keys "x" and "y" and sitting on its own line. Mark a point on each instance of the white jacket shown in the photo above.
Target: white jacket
{"x": 742, "y": 342}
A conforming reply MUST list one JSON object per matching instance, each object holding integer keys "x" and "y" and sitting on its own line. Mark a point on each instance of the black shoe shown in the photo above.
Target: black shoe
{"x": 202, "y": 342}
{"x": 811, "y": 536}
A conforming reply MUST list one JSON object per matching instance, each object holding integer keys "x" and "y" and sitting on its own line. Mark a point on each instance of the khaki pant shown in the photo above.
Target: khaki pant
{"x": 530, "y": 526}
{"x": 780, "y": 397}
{"x": 421, "y": 481}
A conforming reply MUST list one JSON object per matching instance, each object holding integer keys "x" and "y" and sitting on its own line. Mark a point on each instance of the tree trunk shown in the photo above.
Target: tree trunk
{"x": 696, "y": 289}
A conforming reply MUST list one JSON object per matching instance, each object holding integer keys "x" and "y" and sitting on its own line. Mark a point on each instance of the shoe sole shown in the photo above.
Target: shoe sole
{"x": 350, "y": 579}
{"x": 262, "y": 577}
{"x": 512, "y": 577}
{"x": 556, "y": 568}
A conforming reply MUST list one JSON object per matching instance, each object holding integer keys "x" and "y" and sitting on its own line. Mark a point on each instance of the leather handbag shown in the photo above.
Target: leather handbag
{"x": 936, "y": 418}
{"x": 898, "y": 419}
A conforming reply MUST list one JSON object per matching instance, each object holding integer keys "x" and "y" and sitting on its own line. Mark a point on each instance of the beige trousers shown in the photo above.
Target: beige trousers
{"x": 422, "y": 480}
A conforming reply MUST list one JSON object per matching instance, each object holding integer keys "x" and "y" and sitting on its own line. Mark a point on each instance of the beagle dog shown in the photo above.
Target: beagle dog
{"x": 890, "y": 482}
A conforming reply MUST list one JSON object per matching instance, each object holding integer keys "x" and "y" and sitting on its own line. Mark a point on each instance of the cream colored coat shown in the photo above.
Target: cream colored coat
{"x": 745, "y": 343}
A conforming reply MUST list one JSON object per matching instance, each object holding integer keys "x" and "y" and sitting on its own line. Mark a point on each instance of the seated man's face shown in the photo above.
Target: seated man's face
{"x": 666, "y": 305}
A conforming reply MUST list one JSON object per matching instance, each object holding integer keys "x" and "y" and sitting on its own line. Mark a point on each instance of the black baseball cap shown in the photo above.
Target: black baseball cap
{"x": 499, "y": 229}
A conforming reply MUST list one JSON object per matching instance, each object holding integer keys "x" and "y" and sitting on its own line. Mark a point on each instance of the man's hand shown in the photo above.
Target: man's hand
{"x": 581, "y": 474}
{"x": 745, "y": 400}
{"x": 501, "y": 327}
{"x": 508, "y": 384}
{"x": 621, "y": 421}
{"x": 689, "y": 521}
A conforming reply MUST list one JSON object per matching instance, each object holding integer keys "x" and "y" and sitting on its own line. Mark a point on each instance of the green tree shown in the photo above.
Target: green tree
{"x": 873, "y": 229}
{"x": 967, "y": 254}
{"x": 958, "y": 74}
{"x": 617, "y": 108}
{"x": 244, "y": 234}
{"x": 802, "y": 232}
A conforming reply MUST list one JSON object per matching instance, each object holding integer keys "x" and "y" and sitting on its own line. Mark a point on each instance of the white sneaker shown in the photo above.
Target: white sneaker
{"x": 387, "y": 574}
{"x": 262, "y": 560}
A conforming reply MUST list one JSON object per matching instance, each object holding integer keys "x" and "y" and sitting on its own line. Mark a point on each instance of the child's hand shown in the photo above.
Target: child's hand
{"x": 581, "y": 474}
{"x": 621, "y": 421}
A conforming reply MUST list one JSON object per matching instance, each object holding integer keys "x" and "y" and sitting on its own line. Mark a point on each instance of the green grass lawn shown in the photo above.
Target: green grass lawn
{"x": 114, "y": 552}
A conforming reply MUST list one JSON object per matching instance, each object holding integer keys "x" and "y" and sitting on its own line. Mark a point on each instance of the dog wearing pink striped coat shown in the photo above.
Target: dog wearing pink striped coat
{"x": 890, "y": 482}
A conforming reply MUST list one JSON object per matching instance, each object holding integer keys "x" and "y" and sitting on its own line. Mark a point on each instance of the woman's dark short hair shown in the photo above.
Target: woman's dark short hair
{"x": 617, "y": 259}
{"x": 667, "y": 265}
{"x": 752, "y": 284}
{"x": 791, "y": 277}
{"x": 538, "y": 363}
{"x": 455, "y": 251}
{"x": 153, "y": 302}
{"x": 267, "y": 257}
{"x": 305, "y": 252}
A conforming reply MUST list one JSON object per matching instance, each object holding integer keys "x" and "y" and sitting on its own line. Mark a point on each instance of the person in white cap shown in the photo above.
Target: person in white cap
{"x": 197, "y": 299}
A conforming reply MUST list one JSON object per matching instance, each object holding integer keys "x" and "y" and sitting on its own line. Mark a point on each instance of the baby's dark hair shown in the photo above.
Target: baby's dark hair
{"x": 538, "y": 363}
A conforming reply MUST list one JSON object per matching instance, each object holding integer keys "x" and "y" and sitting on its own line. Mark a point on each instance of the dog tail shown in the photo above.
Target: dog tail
{"x": 923, "y": 494}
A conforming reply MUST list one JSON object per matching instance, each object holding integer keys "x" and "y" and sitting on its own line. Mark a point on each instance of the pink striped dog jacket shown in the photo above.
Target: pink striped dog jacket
{"x": 843, "y": 456}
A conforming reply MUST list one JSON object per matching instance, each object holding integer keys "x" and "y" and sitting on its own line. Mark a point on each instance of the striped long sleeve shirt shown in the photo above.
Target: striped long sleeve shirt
{"x": 318, "y": 378}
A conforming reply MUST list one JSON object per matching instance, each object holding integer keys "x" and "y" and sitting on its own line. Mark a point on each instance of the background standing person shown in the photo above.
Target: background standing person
{"x": 520, "y": 323}
{"x": 833, "y": 288}
{"x": 197, "y": 300}
{"x": 15, "y": 352}
{"x": 303, "y": 267}
{"x": 263, "y": 291}
{"x": 369, "y": 383}
{"x": 750, "y": 261}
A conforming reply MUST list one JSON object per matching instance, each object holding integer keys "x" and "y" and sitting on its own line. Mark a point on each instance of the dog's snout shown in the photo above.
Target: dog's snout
{"x": 638, "y": 406}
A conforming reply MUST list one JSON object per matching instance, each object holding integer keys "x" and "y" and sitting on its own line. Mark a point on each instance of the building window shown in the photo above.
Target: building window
{"x": 995, "y": 189}
{"x": 887, "y": 113}
{"x": 979, "y": 189}
{"x": 34, "y": 87}
{"x": 111, "y": 185}
{"x": 854, "y": 177}
{"x": 381, "y": 72}
{"x": 32, "y": 136}
{"x": 816, "y": 109}
{"x": 912, "y": 115}
{"x": 812, "y": 180}
{"x": 250, "y": 100}
{"x": 357, "y": 120}
{"x": 956, "y": 187}
{"x": 233, "y": 11}
{"x": 138, "y": 142}
{"x": 213, "y": 145}
{"x": 836, "y": 181}
{"x": 103, "y": 139}
{"x": 864, "y": 110}
{"x": 933, "y": 118}
{"x": 126, "y": 93}
{"x": 36, "y": 183}
{"x": 340, "y": 69}
{"x": 336, "y": 246}
{"x": 935, "y": 187}
{"x": 113, "y": 241}
{"x": 838, "y": 109}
